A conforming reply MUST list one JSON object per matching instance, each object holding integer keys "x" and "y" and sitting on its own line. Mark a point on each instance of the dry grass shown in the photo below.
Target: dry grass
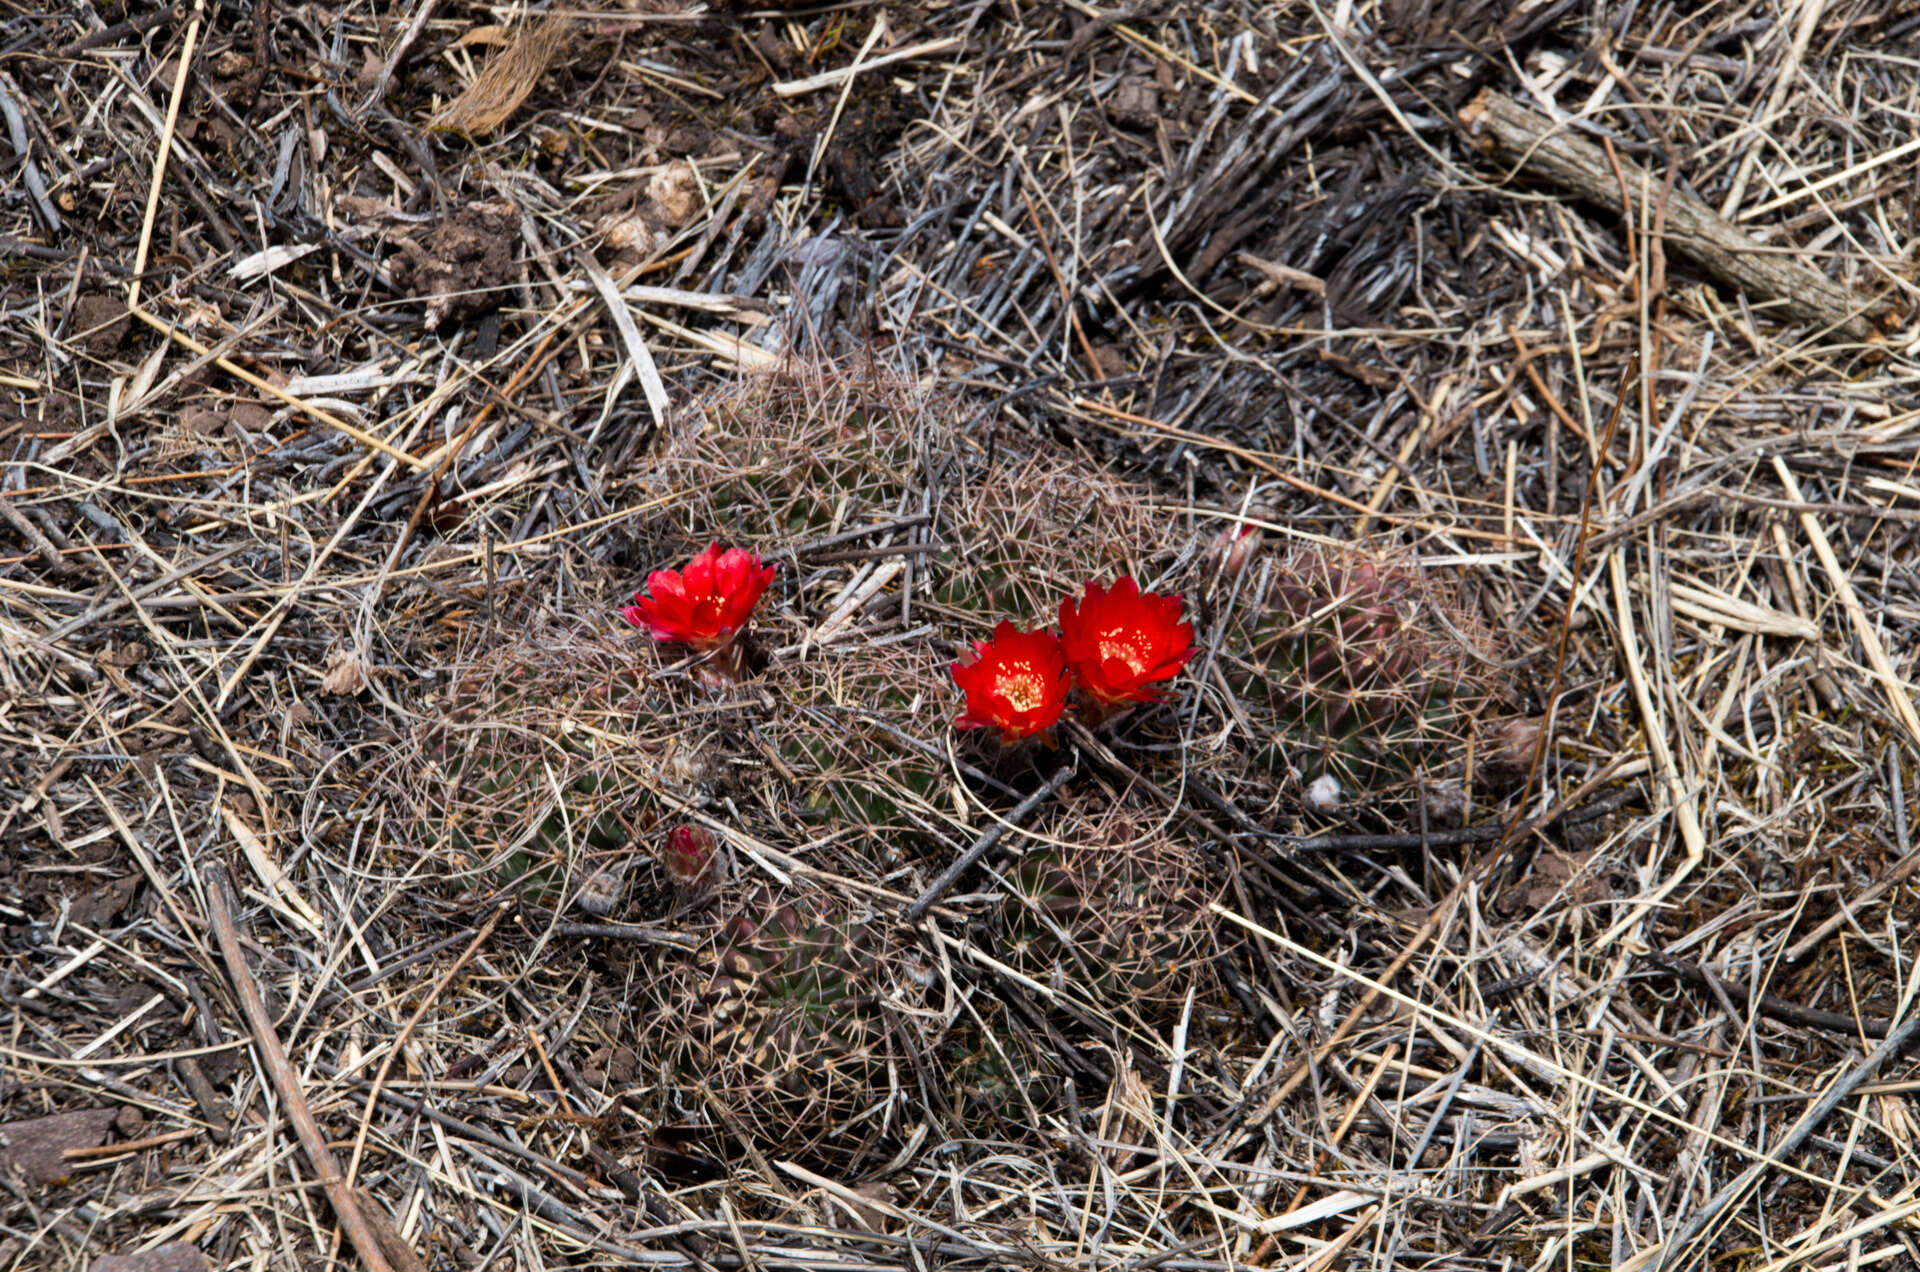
{"x": 332, "y": 788}
{"x": 508, "y": 79}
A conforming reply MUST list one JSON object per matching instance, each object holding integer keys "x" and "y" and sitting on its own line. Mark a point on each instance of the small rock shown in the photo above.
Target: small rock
{"x": 1136, "y": 102}
{"x": 1446, "y": 804}
{"x": 627, "y": 234}
{"x": 174, "y": 1256}
{"x": 675, "y": 191}
{"x": 37, "y": 1147}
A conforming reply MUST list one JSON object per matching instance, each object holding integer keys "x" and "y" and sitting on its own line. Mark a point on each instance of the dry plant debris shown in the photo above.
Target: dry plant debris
{"x": 509, "y": 78}
{"x": 1520, "y": 873}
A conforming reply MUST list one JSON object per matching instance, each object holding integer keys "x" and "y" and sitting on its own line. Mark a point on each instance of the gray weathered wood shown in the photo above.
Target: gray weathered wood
{"x": 1767, "y": 275}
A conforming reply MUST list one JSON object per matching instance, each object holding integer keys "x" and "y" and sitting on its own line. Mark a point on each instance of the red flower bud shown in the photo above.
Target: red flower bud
{"x": 692, "y": 860}
{"x": 1232, "y": 551}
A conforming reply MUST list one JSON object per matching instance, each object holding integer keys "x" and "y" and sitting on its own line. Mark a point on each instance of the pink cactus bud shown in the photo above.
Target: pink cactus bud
{"x": 692, "y": 860}
{"x": 1232, "y": 551}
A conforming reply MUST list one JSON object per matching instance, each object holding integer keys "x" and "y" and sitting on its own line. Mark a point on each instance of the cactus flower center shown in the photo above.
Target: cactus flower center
{"x": 1124, "y": 645}
{"x": 1024, "y": 690}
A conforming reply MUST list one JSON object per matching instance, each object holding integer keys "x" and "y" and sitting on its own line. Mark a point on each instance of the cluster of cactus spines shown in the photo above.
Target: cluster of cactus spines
{"x": 993, "y": 1076}
{"x": 794, "y": 1033}
{"x": 848, "y": 769}
{"x": 1118, "y": 914}
{"x": 805, "y": 476}
{"x": 1370, "y": 671}
{"x": 518, "y": 801}
{"x": 537, "y": 767}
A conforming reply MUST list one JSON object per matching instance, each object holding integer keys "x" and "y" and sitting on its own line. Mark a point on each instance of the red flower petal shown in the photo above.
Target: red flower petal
{"x": 1121, "y": 643}
{"x": 1016, "y": 683}
{"x": 705, "y": 604}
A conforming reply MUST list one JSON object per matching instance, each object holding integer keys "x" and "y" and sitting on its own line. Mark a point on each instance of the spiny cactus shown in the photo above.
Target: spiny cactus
{"x": 802, "y": 459}
{"x": 792, "y": 1035}
{"x": 516, "y": 818}
{"x": 845, "y": 741}
{"x": 516, "y": 799}
{"x": 992, "y": 1075}
{"x": 537, "y": 760}
{"x": 1368, "y": 673}
{"x": 1110, "y": 909}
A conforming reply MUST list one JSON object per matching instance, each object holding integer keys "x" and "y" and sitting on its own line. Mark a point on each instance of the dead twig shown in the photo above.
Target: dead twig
{"x": 1897, "y": 1040}
{"x": 280, "y": 1072}
{"x": 1546, "y": 149}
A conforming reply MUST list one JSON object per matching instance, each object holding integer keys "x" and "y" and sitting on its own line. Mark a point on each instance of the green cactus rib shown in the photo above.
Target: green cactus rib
{"x": 521, "y": 818}
{"x": 1354, "y": 676}
{"x": 795, "y": 1029}
{"x": 1125, "y": 924}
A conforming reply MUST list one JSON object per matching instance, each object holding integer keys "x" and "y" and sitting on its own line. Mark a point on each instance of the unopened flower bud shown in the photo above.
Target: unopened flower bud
{"x": 692, "y": 861}
{"x": 1232, "y": 551}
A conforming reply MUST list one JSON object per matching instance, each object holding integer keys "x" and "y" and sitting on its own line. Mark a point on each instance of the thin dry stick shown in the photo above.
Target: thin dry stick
{"x": 274, "y": 1057}
{"x": 1379, "y": 988}
{"x": 1332, "y": 1146}
{"x": 431, "y": 997}
{"x": 1897, "y": 1038}
{"x": 643, "y": 365}
{"x": 421, "y": 12}
{"x": 1282, "y": 475}
{"x": 1902, "y": 870}
{"x": 1783, "y": 81}
{"x": 1338, "y": 1246}
{"x": 160, "y": 158}
{"x": 1291, "y": 1083}
{"x": 1899, "y": 696}
{"x": 984, "y": 844}
{"x": 827, "y": 79}
{"x": 846, "y": 90}
{"x": 1060, "y": 281}
{"x": 532, "y": 366}
{"x": 1653, "y": 726}
{"x": 284, "y": 606}
{"x": 272, "y": 390}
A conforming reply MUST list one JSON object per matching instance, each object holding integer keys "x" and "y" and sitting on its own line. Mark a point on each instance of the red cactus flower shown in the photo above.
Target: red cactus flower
{"x": 1016, "y": 683}
{"x": 1121, "y": 643}
{"x": 707, "y": 603}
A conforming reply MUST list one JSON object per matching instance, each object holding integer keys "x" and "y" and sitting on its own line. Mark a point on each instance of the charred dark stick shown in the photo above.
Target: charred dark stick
{"x": 983, "y": 845}
{"x": 23, "y": 150}
{"x": 121, "y": 30}
{"x": 1358, "y": 842}
{"x": 1771, "y": 1006}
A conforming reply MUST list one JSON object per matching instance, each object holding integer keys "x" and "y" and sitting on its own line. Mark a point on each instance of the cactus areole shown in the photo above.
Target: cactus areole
{"x": 705, "y": 605}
